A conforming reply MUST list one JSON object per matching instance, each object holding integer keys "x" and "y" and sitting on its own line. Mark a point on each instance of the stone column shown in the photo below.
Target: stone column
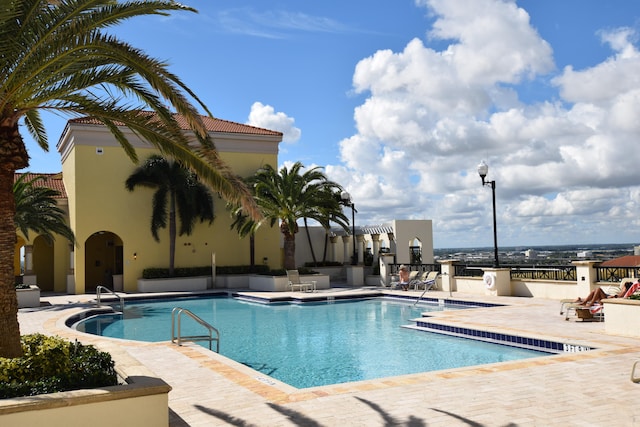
{"x": 392, "y": 243}
{"x": 360, "y": 248}
{"x": 345, "y": 249}
{"x": 587, "y": 277}
{"x": 332, "y": 248}
{"x": 502, "y": 281}
{"x": 375, "y": 238}
{"x": 448, "y": 275}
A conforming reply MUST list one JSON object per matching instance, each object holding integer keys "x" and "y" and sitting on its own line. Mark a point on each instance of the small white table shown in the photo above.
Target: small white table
{"x": 309, "y": 287}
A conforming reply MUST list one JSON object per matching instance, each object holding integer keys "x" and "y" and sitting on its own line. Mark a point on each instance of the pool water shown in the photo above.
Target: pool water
{"x": 311, "y": 344}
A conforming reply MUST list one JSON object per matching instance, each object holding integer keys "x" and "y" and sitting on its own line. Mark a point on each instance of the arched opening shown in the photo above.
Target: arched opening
{"x": 103, "y": 261}
{"x": 415, "y": 251}
{"x": 43, "y": 263}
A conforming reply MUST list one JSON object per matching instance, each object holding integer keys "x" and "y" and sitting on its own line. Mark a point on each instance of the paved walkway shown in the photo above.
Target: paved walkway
{"x": 572, "y": 389}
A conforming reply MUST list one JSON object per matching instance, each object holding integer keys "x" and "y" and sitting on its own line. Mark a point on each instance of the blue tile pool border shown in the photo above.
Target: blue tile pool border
{"x": 547, "y": 346}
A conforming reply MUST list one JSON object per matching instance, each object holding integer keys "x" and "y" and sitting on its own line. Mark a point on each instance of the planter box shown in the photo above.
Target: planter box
{"x": 28, "y": 297}
{"x": 374, "y": 281}
{"x": 259, "y": 282}
{"x": 622, "y": 317}
{"x": 143, "y": 400}
{"x": 337, "y": 273}
{"x": 232, "y": 281}
{"x": 175, "y": 284}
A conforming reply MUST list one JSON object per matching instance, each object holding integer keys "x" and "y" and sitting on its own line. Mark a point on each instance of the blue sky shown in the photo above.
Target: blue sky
{"x": 399, "y": 100}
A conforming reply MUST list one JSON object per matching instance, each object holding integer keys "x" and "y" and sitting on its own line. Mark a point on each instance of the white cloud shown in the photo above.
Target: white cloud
{"x": 265, "y": 116}
{"x": 566, "y": 168}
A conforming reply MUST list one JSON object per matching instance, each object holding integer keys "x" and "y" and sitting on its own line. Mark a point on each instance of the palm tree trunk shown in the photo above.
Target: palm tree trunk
{"x": 172, "y": 233}
{"x": 313, "y": 254}
{"x": 289, "y": 251}
{"x": 9, "y": 327}
{"x": 326, "y": 244}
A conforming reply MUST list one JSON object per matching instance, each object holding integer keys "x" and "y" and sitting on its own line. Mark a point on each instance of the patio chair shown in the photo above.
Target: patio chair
{"x": 295, "y": 283}
{"x": 427, "y": 281}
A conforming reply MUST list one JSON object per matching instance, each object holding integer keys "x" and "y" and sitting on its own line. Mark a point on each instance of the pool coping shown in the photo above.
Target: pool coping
{"x": 436, "y": 320}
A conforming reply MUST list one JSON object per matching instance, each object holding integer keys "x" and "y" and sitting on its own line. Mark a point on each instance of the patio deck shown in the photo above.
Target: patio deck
{"x": 571, "y": 389}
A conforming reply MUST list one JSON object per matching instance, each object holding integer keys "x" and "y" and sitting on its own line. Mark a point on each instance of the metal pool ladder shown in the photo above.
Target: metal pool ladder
{"x": 176, "y": 313}
{"x": 104, "y": 288}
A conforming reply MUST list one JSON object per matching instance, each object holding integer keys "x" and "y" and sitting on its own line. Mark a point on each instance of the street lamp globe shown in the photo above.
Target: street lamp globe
{"x": 483, "y": 170}
{"x": 345, "y": 196}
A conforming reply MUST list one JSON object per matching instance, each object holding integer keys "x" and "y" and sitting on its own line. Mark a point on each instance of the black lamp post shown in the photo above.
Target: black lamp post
{"x": 483, "y": 169}
{"x": 346, "y": 199}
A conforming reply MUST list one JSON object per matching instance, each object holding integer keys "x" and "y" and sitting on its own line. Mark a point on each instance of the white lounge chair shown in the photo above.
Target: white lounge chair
{"x": 296, "y": 284}
{"x": 427, "y": 281}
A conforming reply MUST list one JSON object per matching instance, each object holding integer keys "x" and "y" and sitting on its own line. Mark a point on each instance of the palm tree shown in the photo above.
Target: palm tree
{"x": 56, "y": 56}
{"x": 328, "y": 209}
{"x": 286, "y": 197}
{"x": 38, "y": 210}
{"x": 187, "y": 197}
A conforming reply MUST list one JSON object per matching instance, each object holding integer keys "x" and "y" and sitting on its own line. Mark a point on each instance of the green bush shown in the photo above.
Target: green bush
{"x": 163, "y": 273}
{"x": 323, "y": 264}
{"x": 51, "y": 364}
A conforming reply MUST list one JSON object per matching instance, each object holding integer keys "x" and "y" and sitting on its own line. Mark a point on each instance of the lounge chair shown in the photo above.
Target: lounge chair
{"x": 412, "y": 277}
{"x": 427, "y": 281}
{"x": 295, "y": 283}
{"x": 596, "y": 311}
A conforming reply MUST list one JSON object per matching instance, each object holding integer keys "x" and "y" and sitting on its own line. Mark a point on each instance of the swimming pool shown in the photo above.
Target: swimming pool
{"x": 311, "y": 344}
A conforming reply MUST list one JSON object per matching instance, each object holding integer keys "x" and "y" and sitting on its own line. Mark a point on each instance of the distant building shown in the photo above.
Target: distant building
{"x": 531, "y": 254}
{"x": 584, "y": 254}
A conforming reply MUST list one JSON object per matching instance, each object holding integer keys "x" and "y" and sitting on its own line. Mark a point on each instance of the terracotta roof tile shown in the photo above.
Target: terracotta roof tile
{"x": 212, "y": 124}
{"x": 625, "y": 261}
{"x": 52, "y": 180}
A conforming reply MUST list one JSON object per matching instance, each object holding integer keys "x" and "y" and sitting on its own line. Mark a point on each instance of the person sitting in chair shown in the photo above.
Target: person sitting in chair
{"x": 404, "y": 278}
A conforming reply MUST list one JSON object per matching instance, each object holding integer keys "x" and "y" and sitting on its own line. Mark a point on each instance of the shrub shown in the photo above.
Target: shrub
{"x": 163, "y": 273}
{"x": 323, "y": 264}
{"x": 51, "y": 364}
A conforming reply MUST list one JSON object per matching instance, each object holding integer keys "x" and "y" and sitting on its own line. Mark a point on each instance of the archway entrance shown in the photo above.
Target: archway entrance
{"x": 43, "y": 263}
{"x": 103, "y": 260}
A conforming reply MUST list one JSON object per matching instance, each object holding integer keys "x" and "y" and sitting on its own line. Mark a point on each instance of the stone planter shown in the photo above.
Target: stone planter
{"x": 259, "y": 282}
{"x": 28, "y": 297}
{"x": 175, "y": 284}
{"x": 143, "y": 400}
{"x": 232, "y": 281}
{"x": 622, "y": 317}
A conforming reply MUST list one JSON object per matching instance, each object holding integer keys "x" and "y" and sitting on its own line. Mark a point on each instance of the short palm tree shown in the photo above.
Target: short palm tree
{"x": 57, "y": 56}
{"x": 38, "y": 210}
{"x": 178, "y": 192}
{"x": 287, "y": 196}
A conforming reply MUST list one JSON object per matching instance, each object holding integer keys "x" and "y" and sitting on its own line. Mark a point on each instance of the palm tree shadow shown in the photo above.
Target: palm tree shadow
{"x": 388, "y": 419}
{"x": 224, "y": 417}
{"x": 466, "y": 420}
{"x": 295, "y": 417}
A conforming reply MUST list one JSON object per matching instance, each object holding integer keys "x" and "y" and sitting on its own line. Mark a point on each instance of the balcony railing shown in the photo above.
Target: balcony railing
{"x": 557, "y": 272}
{"x": 615, "y": 274}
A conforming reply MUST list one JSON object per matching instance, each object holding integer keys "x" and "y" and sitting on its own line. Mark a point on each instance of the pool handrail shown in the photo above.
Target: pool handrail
{"x": 193, "y": 338}
{"x": 100, "y": 287}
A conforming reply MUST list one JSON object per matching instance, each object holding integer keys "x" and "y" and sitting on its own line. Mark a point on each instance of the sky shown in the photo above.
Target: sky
{"x": 400, "y": 100}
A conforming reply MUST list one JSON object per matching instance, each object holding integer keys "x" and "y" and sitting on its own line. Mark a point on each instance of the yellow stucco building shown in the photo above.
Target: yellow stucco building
{"x": 112, "y": 225}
